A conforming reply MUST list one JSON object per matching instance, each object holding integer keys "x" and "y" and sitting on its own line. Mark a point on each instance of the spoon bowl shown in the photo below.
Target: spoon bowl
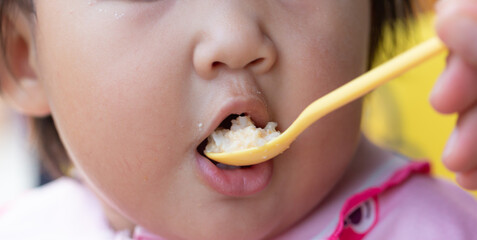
{"x": 337, "y": 98}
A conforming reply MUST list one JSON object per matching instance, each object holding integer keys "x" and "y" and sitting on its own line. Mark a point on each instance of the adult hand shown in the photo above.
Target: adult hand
{"x": 456, "y": 89}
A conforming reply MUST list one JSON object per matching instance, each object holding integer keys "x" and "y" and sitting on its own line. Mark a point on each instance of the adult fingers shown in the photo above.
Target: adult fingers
{"x": 468, "y": 179}
{"x": 456, "y": 88}
{"x": 460, "y": 154}
{"x": 456, "y": 25}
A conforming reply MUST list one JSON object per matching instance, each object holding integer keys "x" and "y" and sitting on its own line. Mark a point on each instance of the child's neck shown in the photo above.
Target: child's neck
{"x": 117, "y": 221}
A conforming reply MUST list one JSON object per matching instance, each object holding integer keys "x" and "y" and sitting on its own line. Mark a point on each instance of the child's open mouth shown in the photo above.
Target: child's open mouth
{"x": 233, "y": 180}
{"x": 226, "y": 124}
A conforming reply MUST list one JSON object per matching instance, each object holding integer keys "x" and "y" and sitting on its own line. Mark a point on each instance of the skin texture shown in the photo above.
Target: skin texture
{"x": 456, "y": 90}
{"x": 128, "y": 84}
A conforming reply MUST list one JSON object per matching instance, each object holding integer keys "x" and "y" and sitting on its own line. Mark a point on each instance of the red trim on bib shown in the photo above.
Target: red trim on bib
{"x": 349, "y": 226}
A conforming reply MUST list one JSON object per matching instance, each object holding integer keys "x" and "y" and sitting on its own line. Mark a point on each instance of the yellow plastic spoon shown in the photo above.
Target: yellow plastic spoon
{"x": 332, "y": 101}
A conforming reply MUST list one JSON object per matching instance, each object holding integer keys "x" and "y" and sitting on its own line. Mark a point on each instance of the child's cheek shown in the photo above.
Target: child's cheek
{"x": 113, "y": 92}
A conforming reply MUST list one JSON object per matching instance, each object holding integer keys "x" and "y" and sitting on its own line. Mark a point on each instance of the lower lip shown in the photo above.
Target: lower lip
{"x": 237, "y": 182}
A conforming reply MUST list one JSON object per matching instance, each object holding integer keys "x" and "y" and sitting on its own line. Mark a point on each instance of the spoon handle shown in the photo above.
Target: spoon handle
{"x": 365, "y": 83}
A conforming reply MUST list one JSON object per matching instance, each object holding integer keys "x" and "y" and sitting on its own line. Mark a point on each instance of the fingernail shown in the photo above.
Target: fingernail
{"x": 450, "y": 145}
{"x": 463, "y": 32}
{"x": 437, "y": 89}
{"x": 458, "y": 178}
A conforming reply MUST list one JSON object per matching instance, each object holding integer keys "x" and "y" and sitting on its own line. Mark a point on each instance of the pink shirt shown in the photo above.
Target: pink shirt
{"x": 397, "y": 201}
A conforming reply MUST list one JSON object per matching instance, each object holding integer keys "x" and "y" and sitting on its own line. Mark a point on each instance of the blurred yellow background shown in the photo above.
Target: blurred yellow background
{"x": 398, "y": 115}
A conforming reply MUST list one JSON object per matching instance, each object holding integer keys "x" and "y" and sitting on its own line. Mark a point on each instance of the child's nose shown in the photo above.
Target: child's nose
{"x": 233, "y": 40}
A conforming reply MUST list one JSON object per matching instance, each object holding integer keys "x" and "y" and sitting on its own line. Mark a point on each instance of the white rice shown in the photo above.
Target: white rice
{"x": 243, "y": 134}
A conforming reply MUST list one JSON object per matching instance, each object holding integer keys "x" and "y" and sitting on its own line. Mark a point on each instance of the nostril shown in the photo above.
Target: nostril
{"x": 216, "y": 64}
{"x": 252, "y": 64}
{"x": 257, "y": 61}
{"x": 260, "y": 65}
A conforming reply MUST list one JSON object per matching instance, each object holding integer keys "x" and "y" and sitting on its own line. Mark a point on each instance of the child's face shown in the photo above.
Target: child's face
{"x": 135, "y": 86}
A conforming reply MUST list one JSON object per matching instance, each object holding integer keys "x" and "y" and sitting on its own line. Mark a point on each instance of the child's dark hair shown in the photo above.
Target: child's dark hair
{"x": 45, "y": 137}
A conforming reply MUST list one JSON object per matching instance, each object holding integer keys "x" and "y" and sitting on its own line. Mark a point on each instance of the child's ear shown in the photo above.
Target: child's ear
{"x": 19, "y": 82}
